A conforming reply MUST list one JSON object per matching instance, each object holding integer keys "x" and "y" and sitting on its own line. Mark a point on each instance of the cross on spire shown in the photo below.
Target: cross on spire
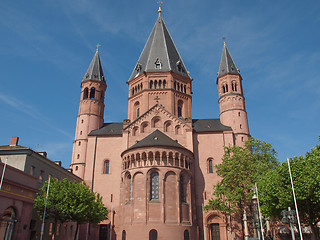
{"x": 98, "y": 45}
{"x": 224, "y": 39}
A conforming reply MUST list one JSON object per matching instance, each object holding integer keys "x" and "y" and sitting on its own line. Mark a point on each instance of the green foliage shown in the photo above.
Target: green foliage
{"x": 276, "y": 192}
{"x": 70, "y": 201}
{"x": 240, "y": 169}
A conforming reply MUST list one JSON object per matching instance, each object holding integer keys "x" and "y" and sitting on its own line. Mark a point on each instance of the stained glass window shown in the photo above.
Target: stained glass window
{"x": 154, "y": 186}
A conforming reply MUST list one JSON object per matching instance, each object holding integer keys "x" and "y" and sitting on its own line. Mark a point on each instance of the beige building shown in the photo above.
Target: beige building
{"x": 39, "y": 166}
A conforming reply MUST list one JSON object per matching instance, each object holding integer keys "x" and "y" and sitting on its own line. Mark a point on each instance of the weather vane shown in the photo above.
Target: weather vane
{"x": 160, "y": 10}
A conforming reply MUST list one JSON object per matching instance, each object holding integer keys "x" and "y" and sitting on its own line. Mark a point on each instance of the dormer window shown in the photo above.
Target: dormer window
{"x": 158, "y": 64}
{"x": 179, "y": 66}
{"x": 138, "y": 67}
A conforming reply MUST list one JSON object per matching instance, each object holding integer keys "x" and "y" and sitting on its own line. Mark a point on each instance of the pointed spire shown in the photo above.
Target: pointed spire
{"x": 227, "y": 65}
{"x": 159, "y": 54}
{"x": 95, "y": 71}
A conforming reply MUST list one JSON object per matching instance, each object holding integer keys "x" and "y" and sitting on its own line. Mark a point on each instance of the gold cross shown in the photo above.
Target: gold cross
{"x": 157, "y": 99}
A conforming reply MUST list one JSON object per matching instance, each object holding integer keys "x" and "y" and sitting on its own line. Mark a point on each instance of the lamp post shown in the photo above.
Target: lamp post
{"x": 289, "y": 217}
{"x": 255, "y": 219}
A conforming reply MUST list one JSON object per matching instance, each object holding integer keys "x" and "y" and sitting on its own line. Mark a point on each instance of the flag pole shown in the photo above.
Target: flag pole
{"x": 4, "y": 169}
{"x": 295, "y": 200}
{"x": 45, "y": 208}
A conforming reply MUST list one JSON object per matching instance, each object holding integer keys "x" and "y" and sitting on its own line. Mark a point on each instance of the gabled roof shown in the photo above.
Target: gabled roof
{"x": 227, "y": 65}
{"x": 209, "y": 125}
{"x": 157, "y": 139}
{"x": 159, "y": 49}
{"x": 108, "y": 129}
{"x": 95, "y": 71}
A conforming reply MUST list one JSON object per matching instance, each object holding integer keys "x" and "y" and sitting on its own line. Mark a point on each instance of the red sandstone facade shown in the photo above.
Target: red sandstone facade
{"x": 155, "y": 169}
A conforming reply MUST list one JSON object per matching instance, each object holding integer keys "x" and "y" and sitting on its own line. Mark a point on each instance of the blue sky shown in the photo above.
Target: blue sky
{"x": 46, "y": 48}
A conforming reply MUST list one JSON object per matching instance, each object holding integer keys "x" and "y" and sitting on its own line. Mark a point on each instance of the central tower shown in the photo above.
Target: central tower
{"x": 159, "y": 76}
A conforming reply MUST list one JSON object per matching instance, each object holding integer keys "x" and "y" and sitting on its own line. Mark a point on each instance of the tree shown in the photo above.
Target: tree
{"x": 70, "y": 201}
{"x": 240, "y": 169}
{"x": 276, "y": 193}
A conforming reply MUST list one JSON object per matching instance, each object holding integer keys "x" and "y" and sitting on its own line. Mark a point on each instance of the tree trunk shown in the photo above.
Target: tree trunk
{"x": 315, "y": 231}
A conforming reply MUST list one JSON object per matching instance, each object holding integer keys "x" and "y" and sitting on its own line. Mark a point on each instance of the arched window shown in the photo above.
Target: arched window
{"x": 155, "y": 84}
{"x": 132, "y": 91}
{"x": 164, "y": 84}
{"x": 153, "y": 234}
{"x": 182, "y": 190}
{"x": 227, "y": 90}
{"x": 175, "y": 86}
{"x": 210, "y": 166}
{"x": 186, "y": 235}
{"x": 92, "y": 93}
{"x": 141, "y": 86}
{"x": 223, "y": 89}
{"x": 235, "y": 87}
{"x": 8, "y": 221}
{"x": 178, "y": 86}
{"x": 160, "y": 84}
{"x": 106, "y": 169}
{"x": 124, "y": 235}
{"x": 136, "y": 109}
{"x": 85, "y": 93}
{"x": 185, "y": 89}
{"x": 151, "y": 84}
{"x": 232, "y": 85}
{"x": 215, "y": 231}
{"x": 154, "y": 186}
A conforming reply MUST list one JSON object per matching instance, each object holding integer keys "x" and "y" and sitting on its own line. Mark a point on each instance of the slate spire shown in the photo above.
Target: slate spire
{"x": 159, "y": 54}
{"x": 227, "y": 65}
{"x": 95, "y": 71}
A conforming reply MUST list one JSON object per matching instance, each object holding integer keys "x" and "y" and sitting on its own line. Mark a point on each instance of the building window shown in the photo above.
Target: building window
{"x": 210, "y": 166}
{"x": 77, "y": 168}
{"x": 138, "y": 112}
{"x": 33, "y": 170}
{"x": 186, "y": 235}
{"x": 154, "y": 188}
{"x": 153, "y": 234}
{"x": 215, "y": 231}
{"x": 182, "y": 190}
{"x": 85, "y": 93}
{"x": 151, "y": 84}
{"x": 41, "y": 176}
{"x": 92, "y": 93}
{"x": 79, "y": 143}
{"x": 106, "y": 167}
{"x": 124, "y": 235}
{"x": 164, "y": 84}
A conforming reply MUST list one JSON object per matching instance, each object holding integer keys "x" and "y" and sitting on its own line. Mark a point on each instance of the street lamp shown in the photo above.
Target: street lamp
{"x": 255, "y": 219}
{"x": 289, "y": 217}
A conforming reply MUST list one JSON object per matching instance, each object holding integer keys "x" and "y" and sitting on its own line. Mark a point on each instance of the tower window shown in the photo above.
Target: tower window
{"x": 185, "y": 89}
{"x": 124, "y": 235}
{"x": 79, "y": 143}
{"x": 151, "y": 84}
{"x": 227, "y": 90}
{"x": 154, "y": 186}
{"x": 106, "y": 167}
{"x": 138, "y": 112}
{"x": 175, "y": 86}
{"x": 223, "y": 89}
{"x": 155, "y": 84}
{"x": 164, "y": 84}
{"x": 160, "y": 84}
{"x": 85, "y": 93}
{"x": 180, "y": 106}
{"x": 210, "y": 166}
{"x": 92, "y": 93}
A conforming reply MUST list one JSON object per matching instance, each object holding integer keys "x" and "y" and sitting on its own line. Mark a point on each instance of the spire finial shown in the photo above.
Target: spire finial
{"x": 224, "y": 40}
{"x": 159, "y": 10}
{"x": 98, "y": 45}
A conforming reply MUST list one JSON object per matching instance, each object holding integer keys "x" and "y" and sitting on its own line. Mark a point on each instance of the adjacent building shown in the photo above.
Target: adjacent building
{"x": 37, "y": 168}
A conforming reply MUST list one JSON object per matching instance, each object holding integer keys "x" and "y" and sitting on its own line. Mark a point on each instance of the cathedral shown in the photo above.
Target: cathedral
{"x": 155, "y": 169}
